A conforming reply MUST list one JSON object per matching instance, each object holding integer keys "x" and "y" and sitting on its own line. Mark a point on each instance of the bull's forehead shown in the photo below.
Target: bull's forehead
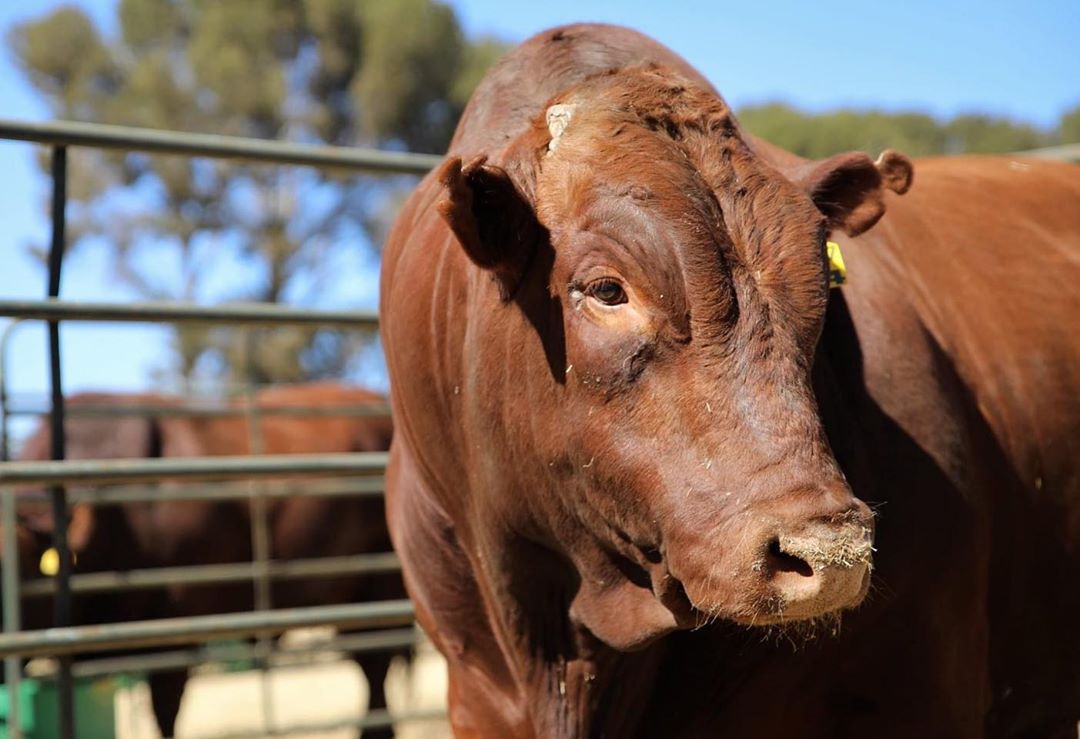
{"x": 607, "y": 174}
{"x": 693, "y": 178}
{"x": 688, "y": 195}
{"x": 700, "y": 236}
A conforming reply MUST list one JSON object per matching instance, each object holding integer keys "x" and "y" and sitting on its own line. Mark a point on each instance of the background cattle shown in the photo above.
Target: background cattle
{"x": 170, "y": 533}
{"x": 634, "y": 425}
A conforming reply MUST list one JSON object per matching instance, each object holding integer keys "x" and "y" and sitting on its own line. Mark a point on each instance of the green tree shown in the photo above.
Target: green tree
{"x": 387, "y": 74}
{"x": 988, "y": 135}
{"x": 918, "y": 134}
{"x": 1069, "y": 126}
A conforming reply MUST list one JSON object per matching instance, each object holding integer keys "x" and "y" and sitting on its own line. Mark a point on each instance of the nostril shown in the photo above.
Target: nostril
{"x": 782, "y": 562}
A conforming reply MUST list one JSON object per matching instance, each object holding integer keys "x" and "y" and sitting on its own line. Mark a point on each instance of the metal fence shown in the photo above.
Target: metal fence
{"x": 353, "y": 474}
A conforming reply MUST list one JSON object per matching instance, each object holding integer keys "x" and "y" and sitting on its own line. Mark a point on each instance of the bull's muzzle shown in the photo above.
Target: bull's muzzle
{"x": 820, "y": 567}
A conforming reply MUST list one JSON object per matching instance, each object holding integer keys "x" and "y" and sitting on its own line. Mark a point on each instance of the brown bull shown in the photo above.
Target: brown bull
{"x": 634, "y": 425}
{"x": 171, "y": 533}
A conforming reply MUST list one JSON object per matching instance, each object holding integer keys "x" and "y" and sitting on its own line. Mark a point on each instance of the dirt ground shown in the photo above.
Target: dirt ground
{"x": 323, "y": 690}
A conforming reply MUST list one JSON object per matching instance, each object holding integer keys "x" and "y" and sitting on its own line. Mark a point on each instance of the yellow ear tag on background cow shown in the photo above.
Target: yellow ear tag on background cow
{"x": 50, "y": 562}
{"x": 837, "y": 270}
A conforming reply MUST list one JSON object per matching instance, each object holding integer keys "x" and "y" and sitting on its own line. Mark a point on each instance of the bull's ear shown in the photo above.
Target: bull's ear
{"x": 850, "y": 188}
{"x": 490, "y": 217}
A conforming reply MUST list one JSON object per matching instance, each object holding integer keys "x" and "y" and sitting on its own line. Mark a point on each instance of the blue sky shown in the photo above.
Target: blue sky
{"x": 1013, "y": 58}
{"x": 1009, "y": 58}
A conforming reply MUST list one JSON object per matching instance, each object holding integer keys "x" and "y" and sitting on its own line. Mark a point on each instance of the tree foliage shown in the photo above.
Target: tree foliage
{"x": 1069, "y": 128}
{"x": 917, "y": 134}
{"x": 346, "y": 72}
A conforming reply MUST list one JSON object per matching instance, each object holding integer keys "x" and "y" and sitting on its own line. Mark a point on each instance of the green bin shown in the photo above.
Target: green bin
{"x": 95, "y": 714}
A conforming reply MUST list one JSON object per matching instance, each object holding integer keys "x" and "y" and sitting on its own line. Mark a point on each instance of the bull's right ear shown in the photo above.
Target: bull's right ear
{"x": 491, "y": 218}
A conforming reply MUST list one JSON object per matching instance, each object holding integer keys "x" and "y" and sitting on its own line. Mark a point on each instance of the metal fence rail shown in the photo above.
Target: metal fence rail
{"x": 206, "y": 411}
{"x": 1063, "y": 153}
{"x": 96, "y": 135}
{"x": 193, "y": 629}
{"x": 82, "y": 472}
{"x": 354, "y": 643}
{"x": 348, "y": 487}
{"x": 158, "y": 312}
{"x": 213, "y": 574}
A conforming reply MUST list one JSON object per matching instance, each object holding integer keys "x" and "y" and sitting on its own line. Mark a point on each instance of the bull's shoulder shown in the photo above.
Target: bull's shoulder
{"x": 1005, "y": 180}
{"x": 990, "y": 240}
{"x": 984, "y": 252}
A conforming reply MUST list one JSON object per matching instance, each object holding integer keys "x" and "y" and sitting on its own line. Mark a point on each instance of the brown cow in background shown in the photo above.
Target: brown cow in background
{"x": 171, "y": 533}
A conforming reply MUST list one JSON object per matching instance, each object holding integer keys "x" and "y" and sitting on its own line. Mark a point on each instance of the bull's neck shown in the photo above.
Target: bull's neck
{"x": 567, "y": 684}
{"x": 598, "y": 693}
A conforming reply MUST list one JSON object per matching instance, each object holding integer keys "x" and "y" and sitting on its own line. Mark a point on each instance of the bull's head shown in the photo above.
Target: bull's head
{"x": 686, "y": 472}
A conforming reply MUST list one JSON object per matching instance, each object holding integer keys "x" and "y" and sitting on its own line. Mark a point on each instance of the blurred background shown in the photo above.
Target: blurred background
{"x": 927, "y": 78}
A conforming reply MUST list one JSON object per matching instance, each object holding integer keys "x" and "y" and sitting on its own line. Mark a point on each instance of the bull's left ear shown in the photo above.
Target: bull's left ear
{"x": 850, "y": 188}
{"x": 491, "y": 218}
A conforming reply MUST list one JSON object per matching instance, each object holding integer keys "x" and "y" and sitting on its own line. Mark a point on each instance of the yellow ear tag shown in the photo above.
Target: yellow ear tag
{"x": 50, "y": 562}
{"x": 837, "y": 270}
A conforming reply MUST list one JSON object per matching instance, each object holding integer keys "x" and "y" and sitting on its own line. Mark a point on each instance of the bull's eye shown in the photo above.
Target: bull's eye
{"x": 607, "y": 291}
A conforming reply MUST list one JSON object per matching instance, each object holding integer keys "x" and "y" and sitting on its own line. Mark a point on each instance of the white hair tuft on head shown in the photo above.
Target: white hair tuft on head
{"x": 558, "y": 118}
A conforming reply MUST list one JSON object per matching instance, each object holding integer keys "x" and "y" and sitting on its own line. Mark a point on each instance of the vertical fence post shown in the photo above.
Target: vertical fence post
{"x": 12, "y": 608}
{"x": 9, "y": 565}
{"x": 62, "y": 602}
{"x": 260, "y": 527}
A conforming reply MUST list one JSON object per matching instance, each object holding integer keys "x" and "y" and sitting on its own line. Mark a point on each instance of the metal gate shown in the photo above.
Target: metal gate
{"x": 353, "y": 474}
